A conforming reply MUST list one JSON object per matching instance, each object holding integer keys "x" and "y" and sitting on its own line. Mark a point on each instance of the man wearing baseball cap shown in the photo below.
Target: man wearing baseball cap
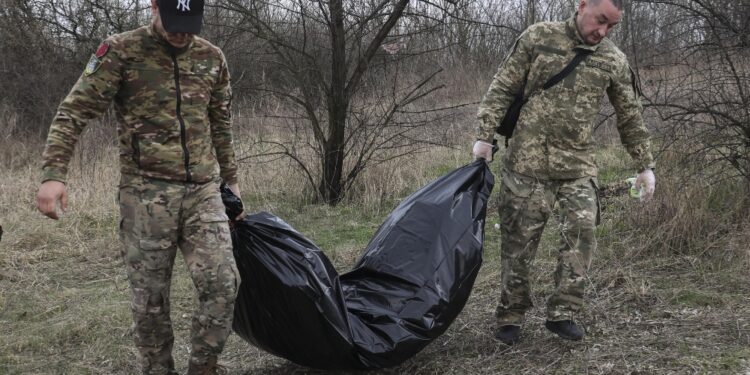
{"x": 171, "y": 94}
{"x": 181, "y": 16}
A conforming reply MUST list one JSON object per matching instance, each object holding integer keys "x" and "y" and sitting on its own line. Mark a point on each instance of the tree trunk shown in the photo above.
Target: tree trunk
{"x": 331, "y": 185}
{"x": 530, "y": 12}
{"x": 338, "y": 104}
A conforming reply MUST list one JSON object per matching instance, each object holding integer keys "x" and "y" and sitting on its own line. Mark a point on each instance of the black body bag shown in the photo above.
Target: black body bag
{"x": 412, "y": 281}
{"x": 508, "y": 123}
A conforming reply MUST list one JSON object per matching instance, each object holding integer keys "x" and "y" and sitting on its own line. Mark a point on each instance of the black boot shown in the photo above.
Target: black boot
{"x": 565, "y": 329}
{"x": 508, "y": 334}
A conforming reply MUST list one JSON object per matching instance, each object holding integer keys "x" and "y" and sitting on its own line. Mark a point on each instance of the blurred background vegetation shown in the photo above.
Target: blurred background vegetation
{"x": 343, "y": 108}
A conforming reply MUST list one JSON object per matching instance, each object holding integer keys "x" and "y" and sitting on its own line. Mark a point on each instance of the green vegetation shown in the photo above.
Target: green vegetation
{"x": 668, "y": 286}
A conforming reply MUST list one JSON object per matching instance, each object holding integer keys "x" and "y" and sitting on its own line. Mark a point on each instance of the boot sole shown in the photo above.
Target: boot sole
{"x": 563, "y": 335}
{"x": 566, "y": 337}
{"x": 510, "y": 342}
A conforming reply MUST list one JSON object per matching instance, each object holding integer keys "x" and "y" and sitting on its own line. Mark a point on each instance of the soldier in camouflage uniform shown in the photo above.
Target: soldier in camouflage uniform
{"x": 172, "y": 94}
{"x": 550, "y": 158}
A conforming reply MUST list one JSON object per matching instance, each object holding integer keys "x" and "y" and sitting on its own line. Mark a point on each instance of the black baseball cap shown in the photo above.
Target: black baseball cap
{"x": 181, "y": 16}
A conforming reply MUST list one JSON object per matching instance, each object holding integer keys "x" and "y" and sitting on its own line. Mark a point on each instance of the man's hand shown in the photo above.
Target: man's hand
{"x": 50, "y": 192}
{"x": 647, "y": 181}
{"x": 482, "y": 150}
{"x": 235, "y": 188}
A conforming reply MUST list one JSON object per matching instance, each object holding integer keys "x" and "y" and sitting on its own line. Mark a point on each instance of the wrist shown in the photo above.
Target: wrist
{"x": 54, "y": 175}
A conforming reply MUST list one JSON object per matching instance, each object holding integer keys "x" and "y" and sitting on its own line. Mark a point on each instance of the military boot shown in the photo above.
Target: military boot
{"x": 566, "y": 329}
{"x": 508, "y": 334}
{"x": 209, "y": 368}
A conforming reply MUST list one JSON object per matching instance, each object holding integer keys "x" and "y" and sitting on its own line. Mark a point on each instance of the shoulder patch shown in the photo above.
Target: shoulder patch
{"x": 599, "y": 64}
{"x": 102, "y": 50}
{"x": 550, "y": 49}
{"x": 92, "y": 66}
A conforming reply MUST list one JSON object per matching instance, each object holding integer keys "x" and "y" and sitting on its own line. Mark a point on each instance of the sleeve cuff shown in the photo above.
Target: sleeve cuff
{"x": 485, "y": 132}
{"x": 229, "y": 180}
{"x": 643, "y": 167}
{"x": 52, "y": 174}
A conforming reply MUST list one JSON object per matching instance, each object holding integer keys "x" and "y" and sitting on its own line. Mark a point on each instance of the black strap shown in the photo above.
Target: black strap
{"x": 569, "y": 68}
{"x": 508, "y": 122}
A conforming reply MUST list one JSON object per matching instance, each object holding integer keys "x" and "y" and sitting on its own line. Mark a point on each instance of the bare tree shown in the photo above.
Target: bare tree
{"x": 321, "y": 55}
{"x": 530, "y": 12}
{"x": 704, "y": 90}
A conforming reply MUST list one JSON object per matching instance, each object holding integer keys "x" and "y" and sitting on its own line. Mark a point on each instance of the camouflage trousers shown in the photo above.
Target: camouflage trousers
{"x": 525, "y": 205}
{"x": 157, "y": 218}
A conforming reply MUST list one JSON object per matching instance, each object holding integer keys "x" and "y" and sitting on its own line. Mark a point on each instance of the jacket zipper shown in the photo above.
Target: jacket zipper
{"x": 183, "y": 132}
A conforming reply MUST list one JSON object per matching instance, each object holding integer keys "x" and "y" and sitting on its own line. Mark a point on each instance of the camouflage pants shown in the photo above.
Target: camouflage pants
{"x": 157, "y": 218}
{"x": 525, "y": 205}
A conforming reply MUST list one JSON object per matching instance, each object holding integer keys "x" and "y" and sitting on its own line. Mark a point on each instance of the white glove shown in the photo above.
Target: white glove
{"x": 482, "y": 150}
{"x": 647, "y": 182}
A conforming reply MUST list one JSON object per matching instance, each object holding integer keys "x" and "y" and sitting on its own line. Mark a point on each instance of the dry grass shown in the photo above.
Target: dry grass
{"x": 652, "y": 309}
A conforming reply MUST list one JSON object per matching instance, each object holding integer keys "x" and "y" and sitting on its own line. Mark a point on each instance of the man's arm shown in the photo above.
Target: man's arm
{"x": 633, "y": 133}
{"x": 510, "y": 77}
{"x": 88, "y": 99}
{"x": 624, "y": 96}
{"x": 220, "y": 115}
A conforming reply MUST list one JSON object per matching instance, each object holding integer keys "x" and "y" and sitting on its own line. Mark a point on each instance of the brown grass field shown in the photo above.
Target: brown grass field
{"x": 669, "y": 289}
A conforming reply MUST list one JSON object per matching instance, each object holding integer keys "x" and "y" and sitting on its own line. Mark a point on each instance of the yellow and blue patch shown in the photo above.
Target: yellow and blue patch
{"x": 92, "y": 66}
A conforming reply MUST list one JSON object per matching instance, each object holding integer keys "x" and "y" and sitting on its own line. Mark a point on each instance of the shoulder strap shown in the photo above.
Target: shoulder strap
{"x": 569, "y": 68}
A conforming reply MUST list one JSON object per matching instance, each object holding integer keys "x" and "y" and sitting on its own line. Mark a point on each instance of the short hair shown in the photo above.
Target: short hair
{"x": 616, "y": 3}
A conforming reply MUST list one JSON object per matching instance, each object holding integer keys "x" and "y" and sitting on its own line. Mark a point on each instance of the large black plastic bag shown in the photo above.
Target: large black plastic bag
{"x": 409, "y": 285}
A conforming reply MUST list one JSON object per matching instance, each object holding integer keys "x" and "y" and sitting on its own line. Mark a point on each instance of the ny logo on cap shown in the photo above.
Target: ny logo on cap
{"x": 183, "y": 5}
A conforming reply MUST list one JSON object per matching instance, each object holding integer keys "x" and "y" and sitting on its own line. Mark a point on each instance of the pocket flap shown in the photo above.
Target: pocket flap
{"x": 212, "y": 217}
{"x": 520, "y": 185}
{"x": 154, "y": 244}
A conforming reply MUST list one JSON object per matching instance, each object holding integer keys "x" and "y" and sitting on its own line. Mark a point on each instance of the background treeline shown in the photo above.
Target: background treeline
{"x": 356, "y": 104}
{"x": 338, "y": 87}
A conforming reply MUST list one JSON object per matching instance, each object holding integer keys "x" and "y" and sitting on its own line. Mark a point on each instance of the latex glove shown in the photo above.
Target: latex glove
{"x": 50, "y": 193}
{"x": 482, "y": 150}
{"x": 647, "y": 181}
{"x": 235, "y": 188}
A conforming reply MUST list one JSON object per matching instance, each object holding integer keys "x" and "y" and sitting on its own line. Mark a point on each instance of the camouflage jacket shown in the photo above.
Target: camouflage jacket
{"x": 172, "y": 108}
{"x": 553, "y": 138}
